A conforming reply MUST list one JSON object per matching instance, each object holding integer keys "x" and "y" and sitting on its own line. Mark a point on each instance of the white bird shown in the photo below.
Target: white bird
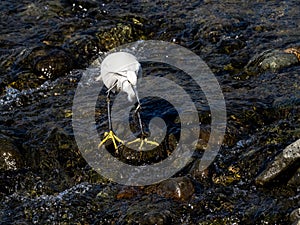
{"x": 120, "y": 72}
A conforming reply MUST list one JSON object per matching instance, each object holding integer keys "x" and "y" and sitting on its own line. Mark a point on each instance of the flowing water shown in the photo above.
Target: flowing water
{"x": 45, "y": 47}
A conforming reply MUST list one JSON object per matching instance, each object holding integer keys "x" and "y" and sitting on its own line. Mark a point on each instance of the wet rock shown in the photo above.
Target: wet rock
{"x": 232, "y": 174}
{"x": 295, "y": 217}
{"x": 215, "y": 30}
{"x": 178, "y": 188}
{"x": 228, "y": 46}
{"x": 83, "y": 48}
{"x": 294, "y": 50}
{"x": 264, "y": 25}
{"x": 52, "y": 209}
{"x": 10, "y": 157}
{"x": 127, "y": 193}
{"x": 50, "y": 62}
{"x": 38, "y": 65}
{"x": 295, "y": 180}
{"x": 288, "y": 158}
{"x": 157, "y": 217}
{"x": 273, "y": 60}
{"x": 118, "y": 35}
{"x": 149, "y": 211}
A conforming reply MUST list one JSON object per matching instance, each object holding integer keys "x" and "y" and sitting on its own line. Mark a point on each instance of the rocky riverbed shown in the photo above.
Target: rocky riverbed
{"x": 251, "y": 47}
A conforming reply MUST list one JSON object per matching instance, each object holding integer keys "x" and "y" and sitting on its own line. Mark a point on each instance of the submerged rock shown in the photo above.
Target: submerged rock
{"x": 39, "y": 64}
{"x": 47, "y": 192}
{"x": 295, "y": 217}
{"x": 289, "y": 157}
{"x": 177, "y": 188}
{"x": 10, "y": 157}
{"x": 294, "y": 50}
{"x": 273, "y": 60}
{"x": 295, "y": 180}
{"x": 50, "y": 62}
{"x": 147, "y": 211}
{"x": 157, "y": 217}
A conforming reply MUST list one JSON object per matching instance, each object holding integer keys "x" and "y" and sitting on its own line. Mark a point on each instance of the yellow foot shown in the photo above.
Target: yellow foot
{"x": 143, "y": 140}
{"x": 113, "y": 137}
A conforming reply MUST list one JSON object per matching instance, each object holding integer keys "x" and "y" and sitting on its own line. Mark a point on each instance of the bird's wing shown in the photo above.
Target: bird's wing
{"x": 111, "y": 79}
{"x": 117, "y": 63}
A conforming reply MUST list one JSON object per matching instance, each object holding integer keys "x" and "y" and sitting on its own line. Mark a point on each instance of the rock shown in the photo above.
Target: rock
{"x": 273, "y": 60}
{"x": 221, "y": 33}
{"x": 289, "y": 156}
{"x": 39, "y": 64}
{"x": 11, "y": 158}
{"x": 178, "y": 188}
{"x": 295, "y": 180}
{"x": 295, "y": 217}
{"x": 228, "y": 46}
{"x": 149, "y": 211}
{"x": 157, "y": 217}
{"x": 50, "y": 62}
{"x": 295, "y": 51}
{"x": 127, "y": 193}
{"x": 83, "y": 48}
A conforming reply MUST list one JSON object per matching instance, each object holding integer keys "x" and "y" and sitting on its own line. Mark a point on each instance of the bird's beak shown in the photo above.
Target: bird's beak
{"x": 132, "y": 79}
{"x": 135, "y": 94}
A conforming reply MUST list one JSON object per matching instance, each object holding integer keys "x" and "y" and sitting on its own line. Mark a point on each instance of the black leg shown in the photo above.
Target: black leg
{"x": 108, "y": 110}
{"x": 110, "y": 134}
{"x": 137, "y": 111}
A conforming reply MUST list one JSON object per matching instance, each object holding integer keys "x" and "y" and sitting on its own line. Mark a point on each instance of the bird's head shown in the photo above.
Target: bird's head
{"x": 128, "y": 84}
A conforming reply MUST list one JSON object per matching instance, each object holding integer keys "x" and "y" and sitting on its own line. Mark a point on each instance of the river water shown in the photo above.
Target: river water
{"x": 45, "y": 47}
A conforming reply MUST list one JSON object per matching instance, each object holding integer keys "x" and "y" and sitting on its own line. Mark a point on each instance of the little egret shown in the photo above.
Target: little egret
{"x": 119, "y": 72}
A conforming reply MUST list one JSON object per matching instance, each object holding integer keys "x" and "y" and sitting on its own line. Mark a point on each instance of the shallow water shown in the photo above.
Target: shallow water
{"x": 46, "y": 46}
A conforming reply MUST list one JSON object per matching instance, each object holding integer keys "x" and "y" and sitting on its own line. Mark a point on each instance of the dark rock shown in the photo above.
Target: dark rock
{"x": 127, "y": 193}
{"x": 50, "y": 62}
{"x": 289, "y": 156}
{"x": 35, "y": 66}
{"x": 295, "y": 217}
{"x": 273, "y": 60}
{"x": 179, "y": 188}
{"x": 11, "y": 158}
{"x": 148, "y": 211}
{"x": 294, "y": 50}
{"x": 83, "y": 48}
{"x": 224, "y": 34}
{"x": 228, "y": 46}
{"x": 157, "y": 217}
{"x": 295, "y": 180}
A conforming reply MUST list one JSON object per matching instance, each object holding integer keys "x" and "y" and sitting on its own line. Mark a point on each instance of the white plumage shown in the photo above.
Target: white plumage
{"x": 119, "y": 72}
